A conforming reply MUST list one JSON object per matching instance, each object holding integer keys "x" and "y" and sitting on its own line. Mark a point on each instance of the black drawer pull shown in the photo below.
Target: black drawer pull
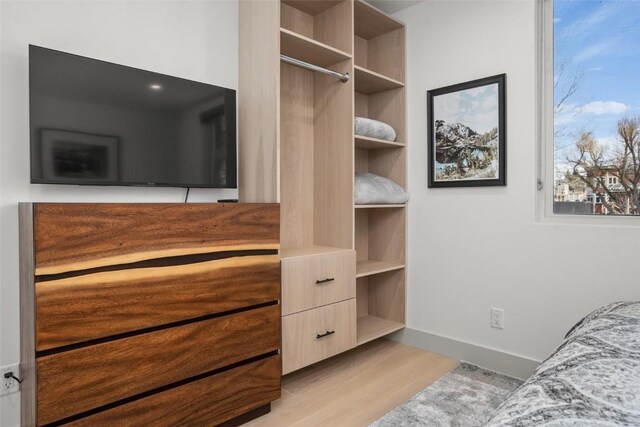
{"x": 325, "y": 334}
{"x": 327, "y": 280}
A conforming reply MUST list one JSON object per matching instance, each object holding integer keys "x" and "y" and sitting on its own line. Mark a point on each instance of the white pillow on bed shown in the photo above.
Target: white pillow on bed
{"x": 371, "y": 189}
{"x": 373, "y": 129}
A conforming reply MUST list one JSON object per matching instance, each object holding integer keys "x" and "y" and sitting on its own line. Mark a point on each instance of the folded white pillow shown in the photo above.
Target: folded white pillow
{"x": 371, "y": 189}
{"x": 373, "y": 129}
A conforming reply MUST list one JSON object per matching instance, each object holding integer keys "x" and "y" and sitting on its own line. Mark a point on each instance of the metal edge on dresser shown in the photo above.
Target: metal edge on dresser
{"x": 27, "y": 318}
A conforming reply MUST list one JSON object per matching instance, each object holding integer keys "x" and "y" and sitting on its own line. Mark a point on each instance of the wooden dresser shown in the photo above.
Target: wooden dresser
{"x": 149, "y": 314}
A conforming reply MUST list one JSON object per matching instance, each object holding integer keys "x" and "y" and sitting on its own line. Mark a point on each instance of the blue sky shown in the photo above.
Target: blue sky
{"x": 599, "y": 44}
{"x": 475, "y": 108}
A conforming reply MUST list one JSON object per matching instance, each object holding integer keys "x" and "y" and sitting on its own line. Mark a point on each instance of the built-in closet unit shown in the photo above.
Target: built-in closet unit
{"x": 343, "y": 278}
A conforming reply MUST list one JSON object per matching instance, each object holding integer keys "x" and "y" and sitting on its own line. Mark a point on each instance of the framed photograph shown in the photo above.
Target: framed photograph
{"x": 467, "y": 134}
{"x": 71, "y": 156}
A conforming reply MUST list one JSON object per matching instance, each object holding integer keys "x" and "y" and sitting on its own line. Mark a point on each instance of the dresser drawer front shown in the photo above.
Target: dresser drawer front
{"x": 82, "y": 236}
{"x": 85, "y": 378}
{"x": 313, "y": 281}
{"x": 211, "y": 400}
{"x": 314, "y": 335}
{"x": 87, "y": 307}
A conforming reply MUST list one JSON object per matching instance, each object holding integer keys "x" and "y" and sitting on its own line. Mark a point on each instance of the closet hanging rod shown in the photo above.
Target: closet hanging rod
{"x": 298, "y": 63}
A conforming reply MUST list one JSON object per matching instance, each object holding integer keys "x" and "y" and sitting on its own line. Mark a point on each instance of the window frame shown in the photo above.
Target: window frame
{"x": 545, "y": 184}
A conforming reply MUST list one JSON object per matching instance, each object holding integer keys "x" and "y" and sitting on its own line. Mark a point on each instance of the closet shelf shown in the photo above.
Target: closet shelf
{"x": 367, "y": 143}
{"x": 369, "y": 82}
{"x": 370, "y": 22}
{"x": 370, "y": 328}
{"x": 396, "y": 206}
{"x": 309, "y": 250}
{"x": 369, "y": 267}
{"x": 306, "y": 49}
{"x": 311, "y": 7}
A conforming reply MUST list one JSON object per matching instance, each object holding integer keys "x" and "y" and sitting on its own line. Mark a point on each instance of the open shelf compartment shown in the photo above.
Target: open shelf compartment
{"x": 380, "y": 304}
{"x": 370, "y": 22}
{"x": 390, "y": 164}
{"x": 370, "y": 328}
{"x": 388, "y": 107}
{"x": 369, "y": 268}
{"x": 379, "y": 42}
{"x": 368, "y": 143}
{"x": 380, "y": 284}
{"x": 305, "y": 49}
{"x": 328, "y": 22}
{"x": 380, "y": 237}
{"x": 316, "y": 158}
{"x": 369, "y": 82}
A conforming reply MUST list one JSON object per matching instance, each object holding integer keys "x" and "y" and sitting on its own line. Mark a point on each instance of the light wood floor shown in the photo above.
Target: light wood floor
{"x": 356, "y": 388}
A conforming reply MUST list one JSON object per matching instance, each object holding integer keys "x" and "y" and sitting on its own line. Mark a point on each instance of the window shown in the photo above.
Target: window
{"x": 595, "y": 116}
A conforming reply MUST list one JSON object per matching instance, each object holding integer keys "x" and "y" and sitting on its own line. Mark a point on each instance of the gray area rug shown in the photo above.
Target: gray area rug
{"x": 465, "y": 397}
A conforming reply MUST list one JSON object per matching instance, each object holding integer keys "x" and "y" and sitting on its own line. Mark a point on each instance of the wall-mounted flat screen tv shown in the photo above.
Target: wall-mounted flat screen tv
{"x": 97, "y": 123}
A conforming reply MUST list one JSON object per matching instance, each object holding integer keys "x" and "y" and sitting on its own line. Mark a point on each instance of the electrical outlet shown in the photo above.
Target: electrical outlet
{"x": 9, "y": 385}
{"x": 497, "y": 318}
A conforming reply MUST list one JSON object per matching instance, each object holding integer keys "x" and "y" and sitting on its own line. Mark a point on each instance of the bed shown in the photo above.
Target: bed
{"x": 591, "y": 379}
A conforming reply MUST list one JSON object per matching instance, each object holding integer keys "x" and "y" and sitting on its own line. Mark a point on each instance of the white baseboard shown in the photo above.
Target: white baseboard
{"x": 488, "y": 358}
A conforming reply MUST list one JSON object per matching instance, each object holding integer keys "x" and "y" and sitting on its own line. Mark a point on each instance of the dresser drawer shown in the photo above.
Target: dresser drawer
{"x": 314, "y": 335}
{"x": 91, "y": 306}
{"x": 211, "y": 400}
{"x": 81, "y": 379}
{"x": 313, "y": 281}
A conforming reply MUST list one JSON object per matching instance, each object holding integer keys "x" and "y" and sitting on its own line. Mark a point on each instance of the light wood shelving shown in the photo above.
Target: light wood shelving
{"x": 309, "y": 251}
{"x": 380, "y": 230}
{"x": 389, "y": 206}
{"x": 297, "y": 147}
{"x": 309, "y": 50}
{"x": 327, "y": 22}
{"x": 379, "y": 42}
{"x": 311, "y": 7}
{"x": 370, "y": 267}
{"x": 369, "y": 82}
{"x": 370, "y": 22}
{"x": 368, "y": 143}
{"x": 371, "y": 327}
{"x": 380, "y": 284}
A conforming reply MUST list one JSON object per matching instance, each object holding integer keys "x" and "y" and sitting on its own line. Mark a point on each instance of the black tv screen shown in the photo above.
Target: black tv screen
{"x": 97, "y": 123}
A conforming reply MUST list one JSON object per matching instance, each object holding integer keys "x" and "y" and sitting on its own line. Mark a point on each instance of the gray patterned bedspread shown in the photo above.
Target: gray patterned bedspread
{"x": 591, "y": 379}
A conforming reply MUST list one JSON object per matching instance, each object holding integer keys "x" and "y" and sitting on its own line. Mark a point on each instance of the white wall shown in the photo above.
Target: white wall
{"x": 477, "y": 248}
{"x": 190, "y": 39}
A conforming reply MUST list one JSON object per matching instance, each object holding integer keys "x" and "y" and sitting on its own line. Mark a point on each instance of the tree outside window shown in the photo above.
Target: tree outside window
{"x": 597, "y": 107}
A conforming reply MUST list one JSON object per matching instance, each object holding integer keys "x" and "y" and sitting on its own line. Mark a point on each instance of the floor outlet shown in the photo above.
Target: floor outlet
{"x": 9, "y": 385}
{"x": 497, "y": 318}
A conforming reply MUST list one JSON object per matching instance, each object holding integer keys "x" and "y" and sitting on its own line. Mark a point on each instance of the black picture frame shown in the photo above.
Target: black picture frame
{"x": 448, "y": 176}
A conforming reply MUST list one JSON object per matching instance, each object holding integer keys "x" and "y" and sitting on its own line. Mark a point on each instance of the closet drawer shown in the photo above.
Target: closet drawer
{"x": 314, "y": 335}
{"x": 313, "y": 281}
